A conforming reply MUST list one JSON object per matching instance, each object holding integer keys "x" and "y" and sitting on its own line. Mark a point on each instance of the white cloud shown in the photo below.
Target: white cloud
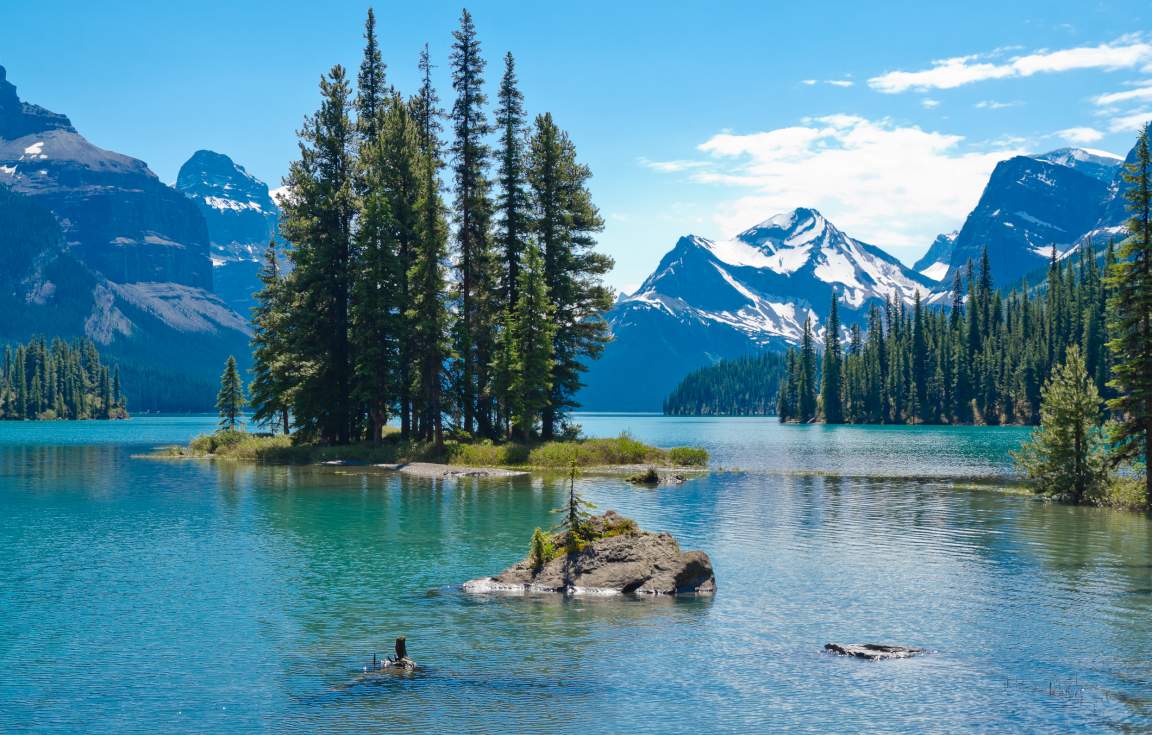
{"x": 1079, "y": 135}
{"x": 1124, "y": 53}
{"x": 1130, "y": 123}
{"x": 994, "y": 105}
{"x": 1140, "y": 94}
{"x": 670, "y": 167}
{"x": 928, "y": 103}
{"x": 891, "y": 185}
{"x": 833, "y": 82}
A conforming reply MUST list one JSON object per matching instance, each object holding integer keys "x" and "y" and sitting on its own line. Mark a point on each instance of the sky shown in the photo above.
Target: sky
{"x": 695, "y": 119}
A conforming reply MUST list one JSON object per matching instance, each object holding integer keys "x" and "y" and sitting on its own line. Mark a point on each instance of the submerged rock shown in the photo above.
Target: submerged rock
{"x": 448, "y": 471}
{"x": 627, "y": 561}
{"x": 873, "y": 651}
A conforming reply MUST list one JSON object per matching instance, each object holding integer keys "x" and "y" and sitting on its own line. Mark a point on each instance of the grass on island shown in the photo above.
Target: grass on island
{"x": 279, "y": 449}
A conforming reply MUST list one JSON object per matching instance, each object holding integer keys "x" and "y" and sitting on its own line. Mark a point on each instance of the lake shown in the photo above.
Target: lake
{"x": 184, "y": 596}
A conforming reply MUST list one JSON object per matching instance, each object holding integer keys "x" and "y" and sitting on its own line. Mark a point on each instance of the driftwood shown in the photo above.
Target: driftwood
{"x": 872, "y": 651}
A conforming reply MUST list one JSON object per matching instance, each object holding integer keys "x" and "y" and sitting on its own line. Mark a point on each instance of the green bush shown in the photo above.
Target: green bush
{"x": 541, "y": 549}
{"x": 1122, "y": 492}
{"x": 688, "y": 456}
{"x": 622, "y": 450}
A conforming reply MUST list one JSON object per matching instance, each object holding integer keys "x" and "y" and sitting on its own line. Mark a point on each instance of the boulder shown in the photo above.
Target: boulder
{"x": 627, "y": 562}
{"x": 872, "y": 651}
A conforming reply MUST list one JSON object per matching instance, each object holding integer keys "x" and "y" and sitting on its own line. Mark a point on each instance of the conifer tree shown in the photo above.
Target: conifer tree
{"x": 512, "y": 202}
{"x": 372, "y": 90}
{"x": 273, "y": 383}
{"x": 564, "y": 224}
{"x": 317, "y": 221}
{"x": 1130, "y": 279}
{"x": 387, "y": 239}
{"x": 230, "y": 400}
{"x": 830, "y": 395}
{"x": 427, "y": 315}
{"x": 806, "y": 376}
{"x": 531, "y": 334}
{"x": 475, "y": 327}
{"x": 1064, "y": 458}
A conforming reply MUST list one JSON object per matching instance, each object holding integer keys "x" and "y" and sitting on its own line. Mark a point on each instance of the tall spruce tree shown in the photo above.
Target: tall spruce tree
{"x": 372, "y": 90}
{"x": 230, "y": 399}
{"x": 512, "y": 203}
{"x": 806, "y": 375}
{"x": 475, "y": 327}
{"x": 512, "y": 226}
{"x": 317, "y": 221}
{"x": 564, "y": 223}
{"x": 273, "y": 381}
{"x": 1130, "y": 279}
{"x": 427, "y": 315}
{"x": 387, "y": 222}
{"x": 531, "y": 334}
{"x": 830, "y": 394}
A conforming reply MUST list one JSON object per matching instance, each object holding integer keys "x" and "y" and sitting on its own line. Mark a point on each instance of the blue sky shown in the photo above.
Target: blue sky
{"x": 695, "y": 118}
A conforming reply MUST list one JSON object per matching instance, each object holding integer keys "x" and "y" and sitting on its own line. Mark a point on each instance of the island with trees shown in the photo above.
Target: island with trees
{"x": 395, "y": 337}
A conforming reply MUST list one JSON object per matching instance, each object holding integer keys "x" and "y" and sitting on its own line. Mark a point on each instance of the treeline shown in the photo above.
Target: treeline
{"x": 1074, "y": 356}
{"x": 982, "y": 360}
{"x": 59, "y": 380}
{"x": 744, "y": 386}
{"x": 381, "y": 316}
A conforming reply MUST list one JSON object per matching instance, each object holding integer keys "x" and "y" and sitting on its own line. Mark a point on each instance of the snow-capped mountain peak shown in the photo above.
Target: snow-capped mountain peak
{"x": 709, "y": 299}
{"x": 1098, "y": 164}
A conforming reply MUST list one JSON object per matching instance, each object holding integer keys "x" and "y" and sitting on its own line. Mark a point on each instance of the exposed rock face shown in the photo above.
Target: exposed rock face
{"x": 872, "y": 651}
{"x": 1028, "y": 207}
{"x": 638, "y": 562}
{"x": 242, "y": 219}
{"x": 18, "y": 119}
{"x": 117, "y": 216}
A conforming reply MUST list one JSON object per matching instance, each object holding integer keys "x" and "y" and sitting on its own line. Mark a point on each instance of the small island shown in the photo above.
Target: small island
{"x": 602, "y": 555}
{"x": 608, "y": 555}
{"x": 622, "y": 455}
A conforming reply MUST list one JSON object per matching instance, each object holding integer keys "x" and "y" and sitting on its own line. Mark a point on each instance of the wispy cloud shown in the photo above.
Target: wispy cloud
{"x": 1079, "y": 135}
{"x": 833, "y": 82}
{"x": 1124, "y": 53}
{"x": 670, "y": 167}
{"x": 994, "y": 105}
{"x": 1139, "y": 94}
{"x": 1132, "y": 122}
{"x": 929, "y": 104}
{"x": 893, "y": 185}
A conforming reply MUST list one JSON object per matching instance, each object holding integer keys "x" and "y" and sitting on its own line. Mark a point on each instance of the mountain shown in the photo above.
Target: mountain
{"x": 1029, "y": 206}
{"x": 934, "y": 263}
{"x": 709, "y": 300}
{"x": 241, "y": 216}
{"x": 97, "y": 245}
{"x": 1100, "y": 165}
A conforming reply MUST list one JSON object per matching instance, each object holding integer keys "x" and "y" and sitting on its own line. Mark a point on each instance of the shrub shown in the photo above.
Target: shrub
{"x": 648, "y": 477}
{"x": 1122, "y": 492}
{"x": 542, "y": 549}
{"x": 688, "y": 456}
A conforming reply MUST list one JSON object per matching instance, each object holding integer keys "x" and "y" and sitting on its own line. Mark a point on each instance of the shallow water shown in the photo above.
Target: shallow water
{"x": 184, "y": 596}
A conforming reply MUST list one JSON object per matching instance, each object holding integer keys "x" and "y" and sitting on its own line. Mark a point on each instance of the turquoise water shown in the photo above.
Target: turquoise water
{"x": 182, "y": 596}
